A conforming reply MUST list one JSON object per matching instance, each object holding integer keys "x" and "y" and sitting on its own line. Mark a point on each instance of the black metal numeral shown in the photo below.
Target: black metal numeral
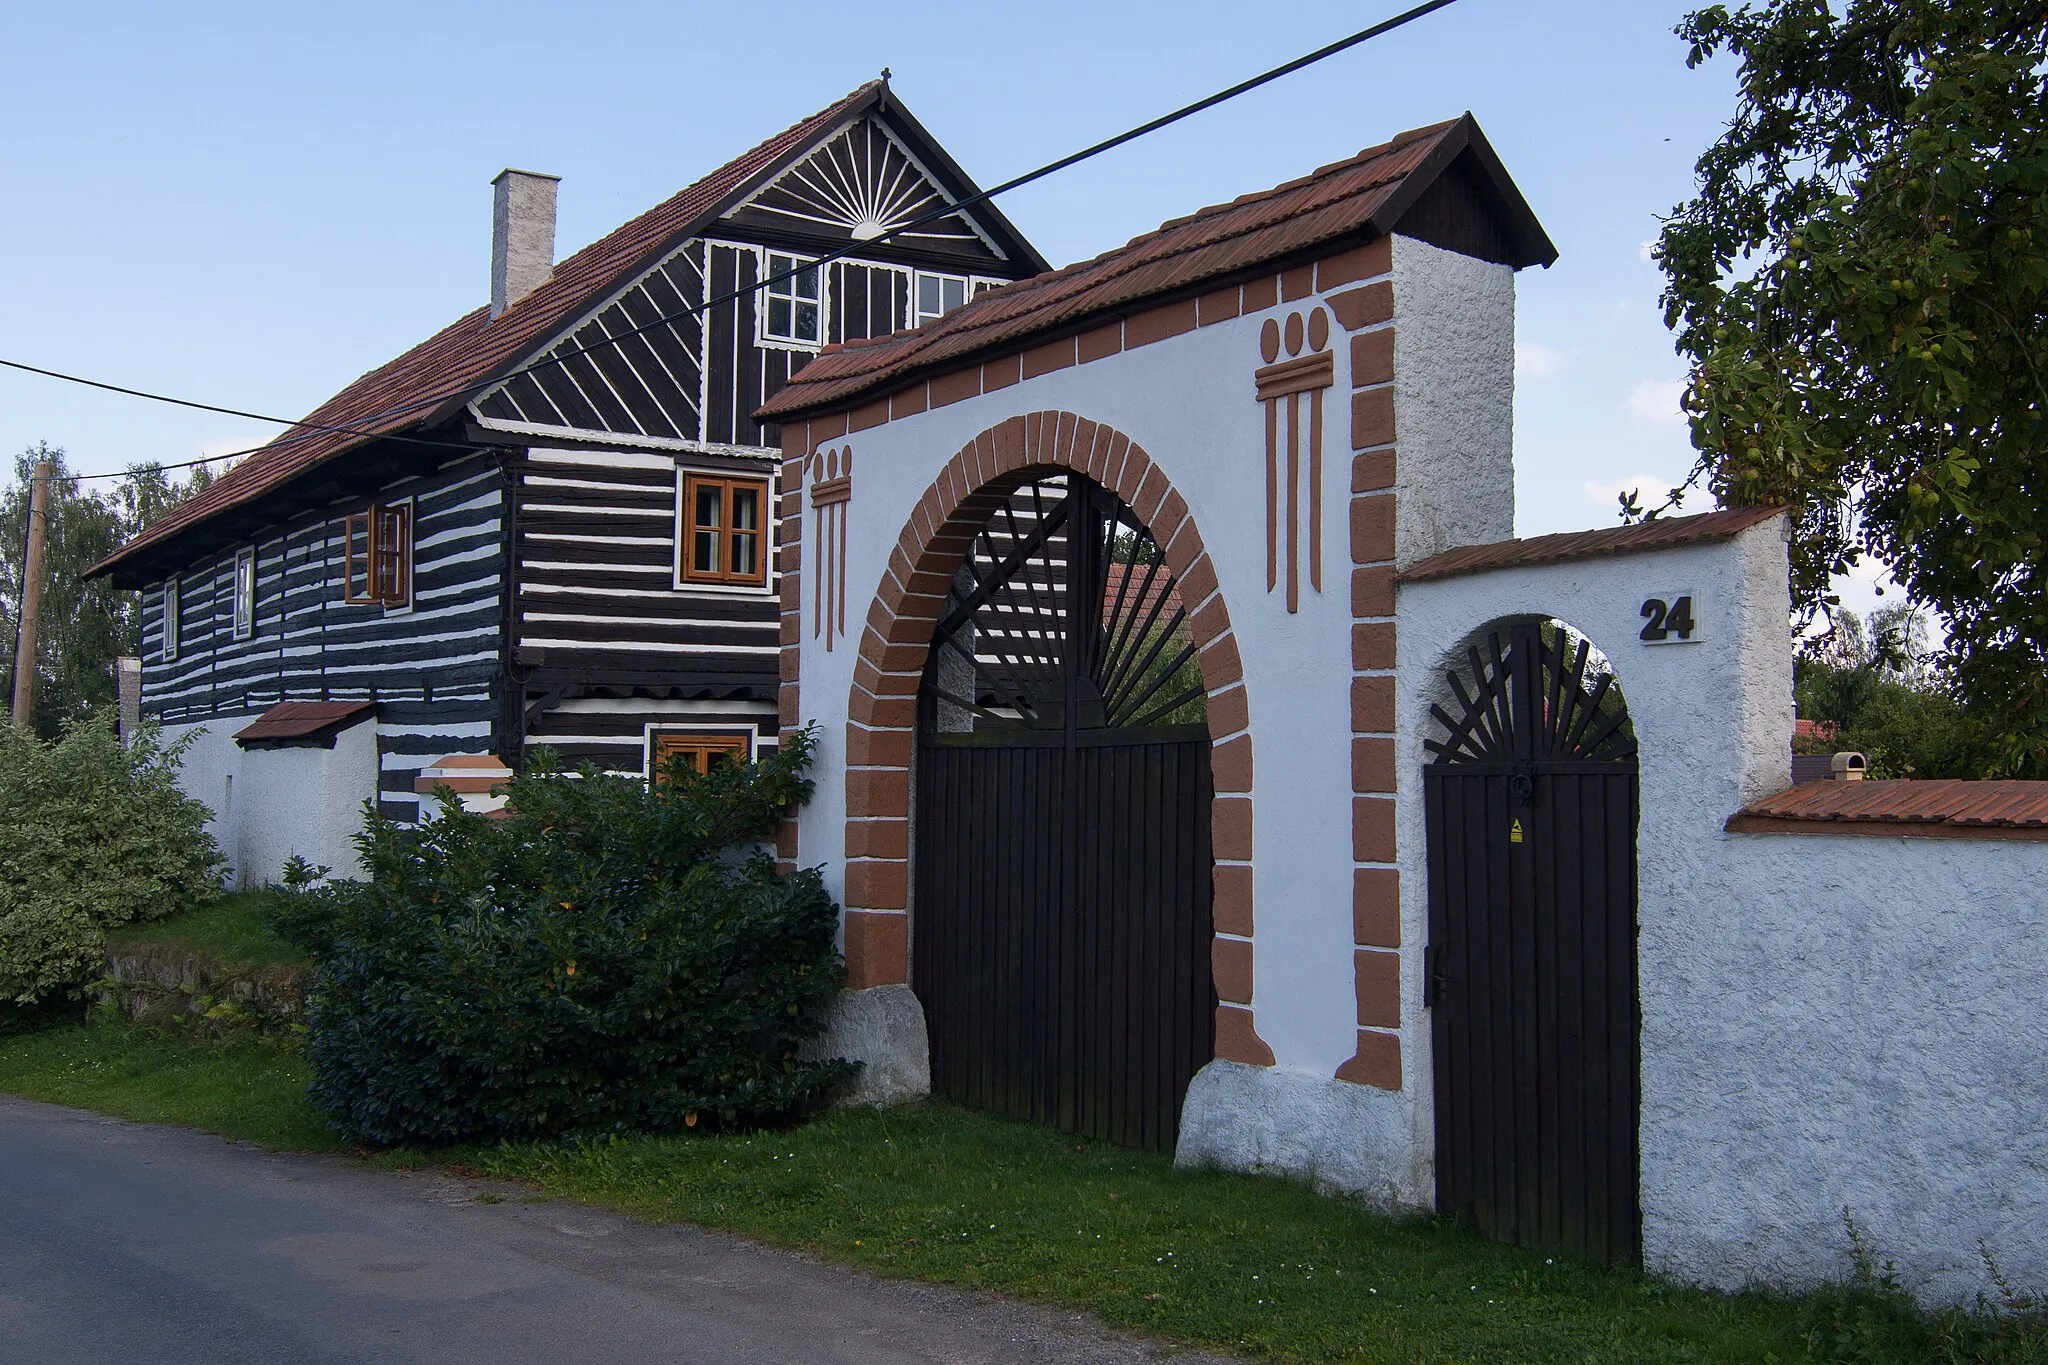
{"x": 1656, "y": 612}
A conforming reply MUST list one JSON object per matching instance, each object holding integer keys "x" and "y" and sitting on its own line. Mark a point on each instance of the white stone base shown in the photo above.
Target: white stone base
{"x": 1332, "y": 1134}
{"x": 882, "y": 1028}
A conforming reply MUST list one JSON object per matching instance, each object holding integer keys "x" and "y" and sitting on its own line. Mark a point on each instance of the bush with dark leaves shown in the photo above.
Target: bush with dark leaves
{"x": 611, "y": 956}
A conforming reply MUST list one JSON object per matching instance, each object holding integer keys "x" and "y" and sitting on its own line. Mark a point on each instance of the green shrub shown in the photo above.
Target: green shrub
{"x": 92, "y": 835}
{"x": 607, "y": 958}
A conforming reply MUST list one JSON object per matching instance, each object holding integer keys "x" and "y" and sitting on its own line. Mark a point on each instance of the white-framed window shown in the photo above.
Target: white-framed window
{"x": 169, "y": 650}
{"x": 245, "y": 593}
{"x": 792, "y": 309}
{"x": 934, "y": 296}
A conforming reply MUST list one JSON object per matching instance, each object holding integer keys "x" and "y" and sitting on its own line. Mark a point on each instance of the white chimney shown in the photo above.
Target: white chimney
{"x": 522, "y": 235}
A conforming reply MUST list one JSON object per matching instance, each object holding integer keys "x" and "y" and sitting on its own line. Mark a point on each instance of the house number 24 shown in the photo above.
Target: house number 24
{"x": 1669, "y": 619}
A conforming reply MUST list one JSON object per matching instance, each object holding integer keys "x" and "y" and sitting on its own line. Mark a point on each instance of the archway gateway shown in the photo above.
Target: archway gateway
{"x": 1531, "y": 806}
{"x": 1063, "y": 866}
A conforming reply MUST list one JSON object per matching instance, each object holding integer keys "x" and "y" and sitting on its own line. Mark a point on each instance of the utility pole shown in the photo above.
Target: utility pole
{"x": 31, "y": 594}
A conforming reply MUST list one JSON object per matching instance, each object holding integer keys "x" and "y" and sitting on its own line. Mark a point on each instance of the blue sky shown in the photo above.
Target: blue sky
{"x": 252, "y": 204}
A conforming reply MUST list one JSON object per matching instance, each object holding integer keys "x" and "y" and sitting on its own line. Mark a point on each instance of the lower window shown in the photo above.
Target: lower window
{"x": 699, "y": 750}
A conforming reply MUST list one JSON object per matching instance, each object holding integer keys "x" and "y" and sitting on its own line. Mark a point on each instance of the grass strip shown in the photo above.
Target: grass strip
{"x": 249, "y": 1089}
{"x": 1259, "y": 1266}
{"x": 232, "y": 931}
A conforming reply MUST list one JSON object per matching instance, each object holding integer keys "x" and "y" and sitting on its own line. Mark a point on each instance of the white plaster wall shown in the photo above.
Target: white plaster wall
{"x": 1829, "y": 1022}
{"x": 269, "y": 804}
{"x": 1865, "y": 1026}
{"x": 1189, "y": 401}
{"x": 1454, "y": 400}
{"x": 209, "y": 760}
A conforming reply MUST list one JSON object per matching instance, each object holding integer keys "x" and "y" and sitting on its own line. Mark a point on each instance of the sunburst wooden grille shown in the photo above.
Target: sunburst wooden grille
{"x": 1063, "y": 617}
{"x": 1530, "y": 700}
{"x": 864, "y": 183}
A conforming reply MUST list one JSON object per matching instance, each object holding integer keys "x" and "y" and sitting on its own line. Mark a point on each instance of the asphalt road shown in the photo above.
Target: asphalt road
{"x": 134, "y": 1244}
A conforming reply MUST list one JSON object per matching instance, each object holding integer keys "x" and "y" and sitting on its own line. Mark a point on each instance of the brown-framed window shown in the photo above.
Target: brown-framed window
{"x": 700, "y": 750}
{"x": 377, "y": 556}
{"x": 724, "y": 530}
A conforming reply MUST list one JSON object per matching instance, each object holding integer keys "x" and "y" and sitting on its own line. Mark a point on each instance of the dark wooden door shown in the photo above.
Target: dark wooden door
{"x": 1061, "y": 912}
{"x": 1531, "y": 811}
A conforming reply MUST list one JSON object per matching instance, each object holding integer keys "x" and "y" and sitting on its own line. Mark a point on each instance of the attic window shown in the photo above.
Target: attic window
{"x": 938, "y": 295}
{"x": 793, "y": 308}
{"x": 377, "y": 556}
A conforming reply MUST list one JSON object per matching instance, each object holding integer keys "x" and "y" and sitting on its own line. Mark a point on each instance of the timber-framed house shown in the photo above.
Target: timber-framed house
{"x": 553, "y": 521}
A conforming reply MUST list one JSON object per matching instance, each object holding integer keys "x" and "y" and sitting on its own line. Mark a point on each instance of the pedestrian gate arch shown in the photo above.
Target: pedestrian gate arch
{"x": 1063, "y": 868}
{"x": 1531, "y": 803}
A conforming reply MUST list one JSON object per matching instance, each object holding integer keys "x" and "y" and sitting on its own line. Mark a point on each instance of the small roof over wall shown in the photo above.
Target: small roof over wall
{"x": 1944, "y": 809}
{"x": 1441, "y": 184}
{"x": 302, "y": 723}
{"x": 1665, "y": 533}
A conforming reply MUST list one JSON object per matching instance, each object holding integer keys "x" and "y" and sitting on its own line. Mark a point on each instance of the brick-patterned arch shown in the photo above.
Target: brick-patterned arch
{"x": 882, "y": 708}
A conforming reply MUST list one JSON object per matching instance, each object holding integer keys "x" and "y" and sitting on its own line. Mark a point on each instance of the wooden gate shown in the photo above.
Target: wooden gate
{"x": 1062, "y": 902}
{"x": 1531, "y": 806}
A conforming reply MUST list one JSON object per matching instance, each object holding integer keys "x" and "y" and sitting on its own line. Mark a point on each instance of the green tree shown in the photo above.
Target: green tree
{"x": 85, "y": 624}
{"x": 1861, "y": 287}
{"x": 1873, "y": 690}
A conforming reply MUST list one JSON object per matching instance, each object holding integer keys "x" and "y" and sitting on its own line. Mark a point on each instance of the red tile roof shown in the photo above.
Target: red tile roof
{"x": 1945, "y": 808}
{"x": 1143, "y": 595}
{"x": 1662, "y": 534}
{"x": 301, "y": 720}
{"x": 1361, "y": 198}
{"x": 431, "y": 381}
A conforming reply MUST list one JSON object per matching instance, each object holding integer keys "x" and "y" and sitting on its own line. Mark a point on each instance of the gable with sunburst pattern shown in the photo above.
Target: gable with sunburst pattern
{"x": 860, "y": 184}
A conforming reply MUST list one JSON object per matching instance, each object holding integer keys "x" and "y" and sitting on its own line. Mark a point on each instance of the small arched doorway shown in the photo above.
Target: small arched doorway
{"x": 1063, "y": 862}
{"x": 1531, "y": 800}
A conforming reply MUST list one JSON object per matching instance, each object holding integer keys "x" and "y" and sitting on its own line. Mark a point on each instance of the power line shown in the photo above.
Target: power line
{"x": 138, "y": 472}
{"x": 306, "y": 430}
{"x": 315, "y": 427}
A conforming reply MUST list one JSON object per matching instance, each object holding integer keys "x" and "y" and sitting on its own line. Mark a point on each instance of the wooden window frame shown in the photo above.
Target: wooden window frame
{"x": 380, "y": 571}
{"x": 242, "y": 595}
{"x": 787, "y": 291}
{"x": 167, "y": 646}
{"x": 687, "y": 574}
{"x": 701, "y": 745}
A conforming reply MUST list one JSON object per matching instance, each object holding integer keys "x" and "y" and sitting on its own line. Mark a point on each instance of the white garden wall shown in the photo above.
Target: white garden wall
{"x": 269, "y": 804}
{"x": 1832, "y": 1025}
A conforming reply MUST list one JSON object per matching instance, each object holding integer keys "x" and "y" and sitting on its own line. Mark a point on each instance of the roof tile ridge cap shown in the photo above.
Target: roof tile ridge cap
{"x": 1361, "y": 158}
{"x": 1323, "y": 172}
{"x": 1402, "y": 139}
{"x": 1179, "y": 251}
{"x": 1522, "y": 545}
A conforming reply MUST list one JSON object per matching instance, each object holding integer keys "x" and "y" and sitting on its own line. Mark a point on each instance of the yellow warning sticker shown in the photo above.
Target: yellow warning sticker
{"x": 1515, "y": 832}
